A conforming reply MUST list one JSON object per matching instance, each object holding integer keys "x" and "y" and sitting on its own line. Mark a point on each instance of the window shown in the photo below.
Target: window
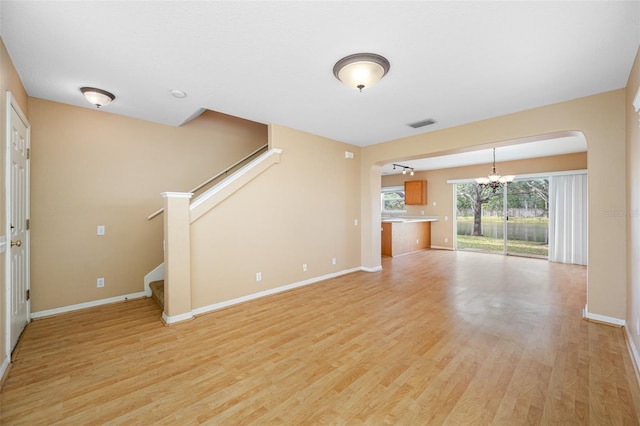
{"x": 392, "y": 200}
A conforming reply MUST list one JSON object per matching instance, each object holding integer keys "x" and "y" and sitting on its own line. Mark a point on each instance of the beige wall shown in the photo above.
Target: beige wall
{"x": 440, "y": 192}
{"x": 299, "y": 211}
{"x": 90, "y": 168}
{"x": 9, "y": 80}
{"x": 632, "y": 213}
{"x": 601, "y": 118}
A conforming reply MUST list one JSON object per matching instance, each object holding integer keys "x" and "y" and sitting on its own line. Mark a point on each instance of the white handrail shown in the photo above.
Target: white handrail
{"x": 211, "y": 179}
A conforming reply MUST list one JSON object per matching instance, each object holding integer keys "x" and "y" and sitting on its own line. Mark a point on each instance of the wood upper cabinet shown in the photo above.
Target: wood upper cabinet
{"x": 415, "y": 192}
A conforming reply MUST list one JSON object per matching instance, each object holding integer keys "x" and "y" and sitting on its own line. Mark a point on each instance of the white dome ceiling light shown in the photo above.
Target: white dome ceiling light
{"x": 361, "y": 70}
{"x": 178, "y": 94}
{"x": 97, "y": 97}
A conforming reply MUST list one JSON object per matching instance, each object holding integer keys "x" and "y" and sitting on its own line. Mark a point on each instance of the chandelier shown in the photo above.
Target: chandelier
{"x": 494, "y": 180}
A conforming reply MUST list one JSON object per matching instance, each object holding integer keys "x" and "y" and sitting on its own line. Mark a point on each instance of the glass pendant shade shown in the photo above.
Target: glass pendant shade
{"x": 97, "y": 97}
{"x": 494, "y": 180}
{"x": 361, "y": 70}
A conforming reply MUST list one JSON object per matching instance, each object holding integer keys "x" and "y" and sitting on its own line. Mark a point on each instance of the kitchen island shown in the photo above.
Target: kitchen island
{"x": 406, "y": 234}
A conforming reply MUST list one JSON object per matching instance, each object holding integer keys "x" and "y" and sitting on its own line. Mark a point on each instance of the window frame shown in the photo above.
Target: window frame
{"x": 389, "y": 189}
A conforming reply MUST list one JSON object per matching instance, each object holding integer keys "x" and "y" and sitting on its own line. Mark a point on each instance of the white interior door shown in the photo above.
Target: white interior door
{"x": 17, "y": 220}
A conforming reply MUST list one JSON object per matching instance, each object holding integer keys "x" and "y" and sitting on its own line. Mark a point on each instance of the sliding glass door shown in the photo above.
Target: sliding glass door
{"x": 527, "y": 213}
{"x": 512, "y": 220}
{"x": 479, "y": 218}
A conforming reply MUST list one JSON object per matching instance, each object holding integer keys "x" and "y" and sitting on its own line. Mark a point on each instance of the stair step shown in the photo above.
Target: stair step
{"x": 157, "y": 292}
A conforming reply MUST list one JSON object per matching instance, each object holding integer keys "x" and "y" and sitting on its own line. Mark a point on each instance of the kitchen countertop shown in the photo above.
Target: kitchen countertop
{"x": 396, "y": 219}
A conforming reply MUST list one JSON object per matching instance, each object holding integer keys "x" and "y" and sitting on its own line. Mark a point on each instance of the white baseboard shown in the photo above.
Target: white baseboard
{"x": 271, "y": 291}
{"x": 85, "y": 305}
{"x": 602, "y": 318}
{"x": 4, "y": 366}
{"x": 374, "y": 269}
{"x": 186, "y": 316}
{"x": 442, "y": 248}
{"x": 635, "y": 357}
{"x": 176, "y": 318}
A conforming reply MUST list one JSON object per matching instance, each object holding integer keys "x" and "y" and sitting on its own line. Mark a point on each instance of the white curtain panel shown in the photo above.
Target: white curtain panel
{"x": 568, "y": 219}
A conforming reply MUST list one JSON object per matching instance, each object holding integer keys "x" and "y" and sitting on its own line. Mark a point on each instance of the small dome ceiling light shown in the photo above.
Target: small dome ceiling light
{"x": 361, "y": 70}
{"x": 97, "y": 97}
{"x": 178, "y": 94}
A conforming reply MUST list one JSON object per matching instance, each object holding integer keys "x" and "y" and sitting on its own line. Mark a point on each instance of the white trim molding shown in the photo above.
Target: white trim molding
{"x": 4, "y": 367}
{"x": 602, "y": 318}
{"x": 176, "y": 194}
{"x": 530, "y": 175}
{"x": 100, "y": 302}
{"x": 176, "y": 318}
{"x": 374, "y": 269}
{"x": 442, "y": 248}
{"x": 635, "y": 357}
{"x": 227, "y": 303}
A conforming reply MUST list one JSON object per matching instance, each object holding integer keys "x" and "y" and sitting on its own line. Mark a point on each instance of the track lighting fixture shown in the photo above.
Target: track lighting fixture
{"x": 404, "y": 169}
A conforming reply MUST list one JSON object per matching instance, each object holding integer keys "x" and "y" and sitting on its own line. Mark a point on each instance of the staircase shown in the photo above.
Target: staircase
{"x": 157, "y": 292}
{"x": 155, "y": 287}
{"x": 212, "y": 192}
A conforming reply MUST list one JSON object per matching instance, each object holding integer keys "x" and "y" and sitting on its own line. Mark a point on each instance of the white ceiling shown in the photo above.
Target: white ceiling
{"x": 271, "y": 61}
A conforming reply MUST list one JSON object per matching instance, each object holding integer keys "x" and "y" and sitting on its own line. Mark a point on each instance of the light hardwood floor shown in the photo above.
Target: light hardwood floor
{"x": 437, "y": 337}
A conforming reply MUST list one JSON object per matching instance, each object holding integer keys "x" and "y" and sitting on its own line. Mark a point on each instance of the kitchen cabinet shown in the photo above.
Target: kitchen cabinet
{"x": 405, "y": 237}
{"x": 415, "y": 192}
{"x": 386, "y": 239}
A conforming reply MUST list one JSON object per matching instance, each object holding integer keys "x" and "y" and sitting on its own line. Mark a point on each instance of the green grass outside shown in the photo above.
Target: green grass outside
{"x": 497, "y": 244}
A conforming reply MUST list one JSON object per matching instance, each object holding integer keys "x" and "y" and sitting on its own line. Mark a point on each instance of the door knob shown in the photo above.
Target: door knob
{"x": 16, "y": 243}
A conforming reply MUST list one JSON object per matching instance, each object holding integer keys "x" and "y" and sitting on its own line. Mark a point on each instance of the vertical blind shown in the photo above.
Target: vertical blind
{"x": 568, "y": 219}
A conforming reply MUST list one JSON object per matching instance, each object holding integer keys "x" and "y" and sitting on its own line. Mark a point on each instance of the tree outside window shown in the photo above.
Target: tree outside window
{"x": 393, "y": 201}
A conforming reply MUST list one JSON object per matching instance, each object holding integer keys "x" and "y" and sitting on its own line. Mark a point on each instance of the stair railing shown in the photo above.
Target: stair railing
{"x": 218, "y": 175}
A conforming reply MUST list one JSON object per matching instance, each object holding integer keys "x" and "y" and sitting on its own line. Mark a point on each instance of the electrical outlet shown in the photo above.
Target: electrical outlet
{"x": 304, "y": 267}
{"x": 100, "y": 282}
{"x": 446, "y": 240}
{"x": 100, "y": 230}
{"x": 446, "y": 218}
{"x": 355, "y": 222}
{"x": 334, "y": 261}
{"x": 422, "y": 212}
{"x": 258, "y": 276}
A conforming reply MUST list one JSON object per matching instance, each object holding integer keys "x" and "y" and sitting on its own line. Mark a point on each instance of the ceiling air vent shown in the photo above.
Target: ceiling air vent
{"x": 422, "y": 123}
